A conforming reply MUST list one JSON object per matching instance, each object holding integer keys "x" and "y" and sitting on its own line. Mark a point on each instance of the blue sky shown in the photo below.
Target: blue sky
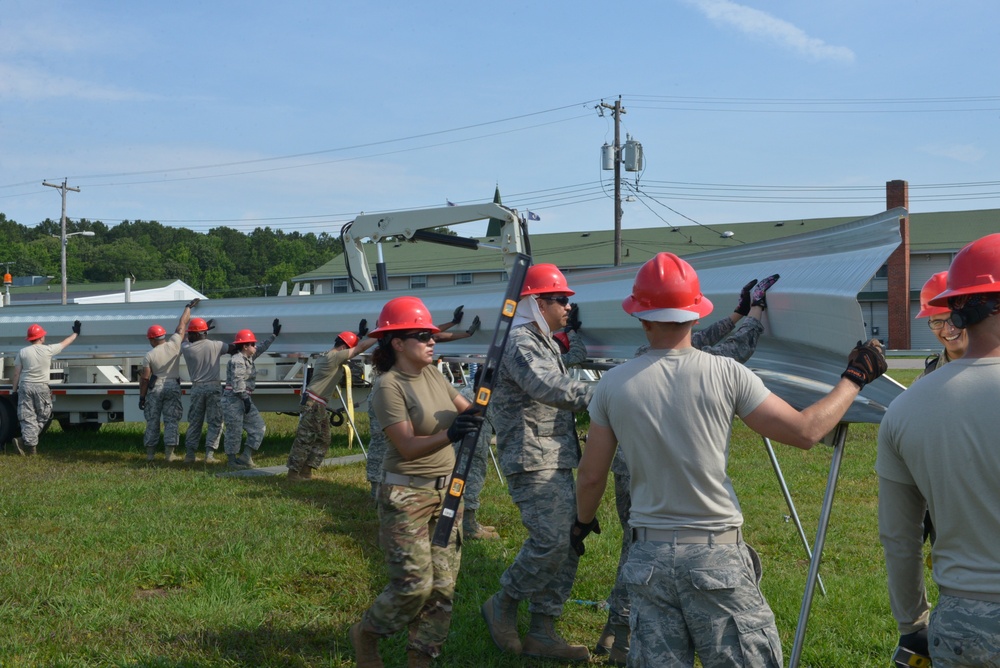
{"x": 300, "y": 115}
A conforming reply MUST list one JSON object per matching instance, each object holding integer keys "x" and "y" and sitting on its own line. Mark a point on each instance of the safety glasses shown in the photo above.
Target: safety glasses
{"x": 424, "y": 336}
{"x": 562, "y": 300}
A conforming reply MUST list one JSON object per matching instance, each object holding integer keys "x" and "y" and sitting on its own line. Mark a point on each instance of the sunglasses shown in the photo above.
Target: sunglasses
{"x": 423, "y": 337}
{"x": 562, "y": 300}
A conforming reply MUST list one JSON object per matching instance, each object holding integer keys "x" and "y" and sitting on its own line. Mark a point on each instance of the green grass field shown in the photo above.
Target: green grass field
{"x": 109, "y": 561}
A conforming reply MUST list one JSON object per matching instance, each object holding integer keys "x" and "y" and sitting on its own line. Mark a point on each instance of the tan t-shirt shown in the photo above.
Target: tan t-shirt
{"x": 427, "y": 401}
{"x": 165, "y": 359}
{"x": 327, "y": 372}
{"x": 36, "y": 361}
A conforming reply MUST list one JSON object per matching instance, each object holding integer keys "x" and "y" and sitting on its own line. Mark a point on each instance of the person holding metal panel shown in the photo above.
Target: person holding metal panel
{"x": 532, "y": 410}
{"x": 238, "y": 410}
{"x": 30, "y": 385}
{"x": 937, "y": 450}
{"x": 422, "y": 415}
{"x": 692, "y": 580}
{"x": 160, "y": 386}
{"x": 203, "y": 358}
{"x": 312, "y": 436}
{"x": 722, "y": 338}
{"x": 953, "y": 339}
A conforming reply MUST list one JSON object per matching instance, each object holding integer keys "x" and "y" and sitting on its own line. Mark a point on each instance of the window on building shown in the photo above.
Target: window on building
{"x": 418, "y": 282}
{"x": 464, "y": 278}
{"x": 883, "y": 271}
{"x": 341, "y": 285}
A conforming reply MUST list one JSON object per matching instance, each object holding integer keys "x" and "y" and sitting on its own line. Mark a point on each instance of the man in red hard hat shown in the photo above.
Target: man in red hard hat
{"x": 160, "y": 386}
{"x": 312, "y": 437}
{"x": 691, "y": 579}
{"x": 30, "y": 382}
{"x": 953, "y": 339}
{"x": 937, "y": 450}
{"x": 202, "y": 356}
{"x": 534, "y": 399}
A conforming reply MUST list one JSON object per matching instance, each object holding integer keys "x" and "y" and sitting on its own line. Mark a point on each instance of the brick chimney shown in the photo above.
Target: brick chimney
{"x": 897, "y": 193}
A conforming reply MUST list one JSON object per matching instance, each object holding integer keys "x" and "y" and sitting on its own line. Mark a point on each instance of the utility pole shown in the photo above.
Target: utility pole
{"x": 62, "y": 222}
{"x": 617, "y": 110}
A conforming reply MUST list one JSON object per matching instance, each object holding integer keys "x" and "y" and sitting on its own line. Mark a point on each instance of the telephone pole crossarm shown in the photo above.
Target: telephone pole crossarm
{"x": 617, "y": 110}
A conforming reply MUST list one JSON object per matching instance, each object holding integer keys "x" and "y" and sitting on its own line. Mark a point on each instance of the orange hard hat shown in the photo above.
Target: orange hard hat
{"x": 666, "y": 289}
{"x": 197, "y": 325}
{"x": 544, "y": 279}
{"x": 403, "y": 313}
{"x": 350, "y": 339}
{"x": 35, "y": 332}
{"x": 934, "y": 286}
{"x": 244, "y": 336}
{"x": 155, "y": 332}
{"x": 976, "y": 269}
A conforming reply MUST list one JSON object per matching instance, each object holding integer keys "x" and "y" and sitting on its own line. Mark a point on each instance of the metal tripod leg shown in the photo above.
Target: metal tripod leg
{"x": 839, "y": 437}
{"x": 791, "y": 506}
{"x": 347, "y": 414}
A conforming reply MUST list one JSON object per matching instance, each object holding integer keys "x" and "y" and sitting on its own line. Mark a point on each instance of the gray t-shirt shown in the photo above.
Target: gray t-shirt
{"x": 203, "y": 358}
{"x": 672, "y": 413}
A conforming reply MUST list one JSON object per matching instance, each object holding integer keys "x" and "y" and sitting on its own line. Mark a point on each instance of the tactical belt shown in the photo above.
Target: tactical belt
{"x": 312, "y": 396}
{"x": 687, "y": 536}
{"x": 974, "y": 595}
{"x": 416, "y": 481}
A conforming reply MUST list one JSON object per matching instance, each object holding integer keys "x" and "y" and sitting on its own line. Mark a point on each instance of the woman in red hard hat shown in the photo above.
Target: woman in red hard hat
{"x": 238, "y": 411}
{"x": 954, "y": 340}
{"x": 422, "y": 415}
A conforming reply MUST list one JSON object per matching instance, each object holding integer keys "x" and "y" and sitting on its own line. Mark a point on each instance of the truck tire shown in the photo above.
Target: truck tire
{"x": 9, "y": 425}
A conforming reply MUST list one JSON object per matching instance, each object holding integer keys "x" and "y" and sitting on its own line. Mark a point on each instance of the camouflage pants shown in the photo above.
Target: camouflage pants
{"x": 618, "y": 601}
{"x": 544, "y": 569}
{"x": 163, "y": 402}
{"x": 422, "y": 576}
{"x": 205, "y": 404}
{"x": 476, "y": 479}
{"x": 376, "y": 448}
{"x": 699, "y": 598}
{"x": 964, "y": 632}
{"x": 312, "y": 438}
{"x": 236, "y": 421}
{"x": 34, "y": 410}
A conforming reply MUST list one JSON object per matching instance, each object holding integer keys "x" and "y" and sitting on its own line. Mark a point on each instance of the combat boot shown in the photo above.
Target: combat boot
{"x": 544, "y": 642}
{"x": 606, "y": 640}
{"x": 18, "y": 447}
{"x": 233, "y": 462}
{"x": 306, "y": 472}
{"x": 417, "y": 659}
{"x": 168, "y": 454}
{"x": 210, "y": 457}
{"x": 150, "y": 454}
{"x": 30, "y": 450}
{"x": 190, "y": 457}
{"x": 365, "y": 643}
{"x": 245, "y": 459}
{"x": 473, "y": 530}
{"x": 500, "y": 613}
{"x": 618, "y": 654}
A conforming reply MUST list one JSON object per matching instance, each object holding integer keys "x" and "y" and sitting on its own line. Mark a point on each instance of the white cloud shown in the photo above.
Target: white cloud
{"x": 762, "y": 25}
{"x": 31, "y": 83}
{"x": 958, "y": 152}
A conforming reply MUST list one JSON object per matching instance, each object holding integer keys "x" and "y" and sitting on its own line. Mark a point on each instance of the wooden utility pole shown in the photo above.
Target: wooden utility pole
{"x": 62, "y": 222}
{"x": 617, "y": 110}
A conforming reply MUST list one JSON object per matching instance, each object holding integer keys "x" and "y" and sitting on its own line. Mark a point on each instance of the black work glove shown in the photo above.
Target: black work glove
{"x": 573, "y": 320}
{"x": 246, "y": 405}
{"x": 211, "y": 323}
{"x": 276, "y": 327}
{"x": 142, "y": 403}
{"x": 474, "y": 327}
{"x": 76, "y": 327}
{"x": 743, "y": 308}
{"x": 916, "y": 642}
{"x": 758, "y": 296}
{"x": 466, "y": 422}
{"x": 865, "y": 363}
{"x": 13, "y": 398}
{"x": 362, "y": 328}
{"x": 456, "y": 317}
{"x": 581, "y": 531}
{"x": 193, "y": 302}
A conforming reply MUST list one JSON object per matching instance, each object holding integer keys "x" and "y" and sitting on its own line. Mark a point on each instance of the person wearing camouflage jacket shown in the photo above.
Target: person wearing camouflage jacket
{"x": 238, "y": 410}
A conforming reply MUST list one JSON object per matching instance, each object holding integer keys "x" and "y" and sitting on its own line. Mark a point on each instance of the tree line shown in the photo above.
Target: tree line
{"x": 220, "y": 263}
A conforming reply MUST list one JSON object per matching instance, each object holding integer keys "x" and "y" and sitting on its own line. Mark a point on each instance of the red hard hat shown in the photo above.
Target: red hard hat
{"x": 666, "y": 289}
{"x": 403, "y": 313}
{"x": 197, "y": 325}
{"x": 155, "y": 332}
{"x": 349, "y": 338}
{"x": 544, "y": 279}
{"x": 974, "y": 270}
{"x": 244, "y": 336}
{"x": 35, "y": 332}
{"x": 934, "y": 286}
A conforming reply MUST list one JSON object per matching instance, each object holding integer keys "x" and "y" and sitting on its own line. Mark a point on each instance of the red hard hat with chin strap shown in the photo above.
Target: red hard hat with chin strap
{"x": 35, "y": 332}
{"x": 155, "y": 332}
{"x": 244, "y": 336}
{"x": 545, "y": 279}
{"x": 666, "y": 289}
{"x": 403, "y": 313}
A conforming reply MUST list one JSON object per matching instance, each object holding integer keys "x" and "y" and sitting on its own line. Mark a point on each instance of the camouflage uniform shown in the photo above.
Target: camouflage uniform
{"x": 476, "y": 479}
{"x": 964, "y": 632}
{"x": 533, "y": 404}
{"x": 740, "y": 346}
{"x": 241, "y": 379}
{"x": 312, "y": 437}
{"x": 34, "y": 398}
{"x": 205, "y": 400}
{"x": 163, "y": 399}
{"x": 376, "y": 449}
